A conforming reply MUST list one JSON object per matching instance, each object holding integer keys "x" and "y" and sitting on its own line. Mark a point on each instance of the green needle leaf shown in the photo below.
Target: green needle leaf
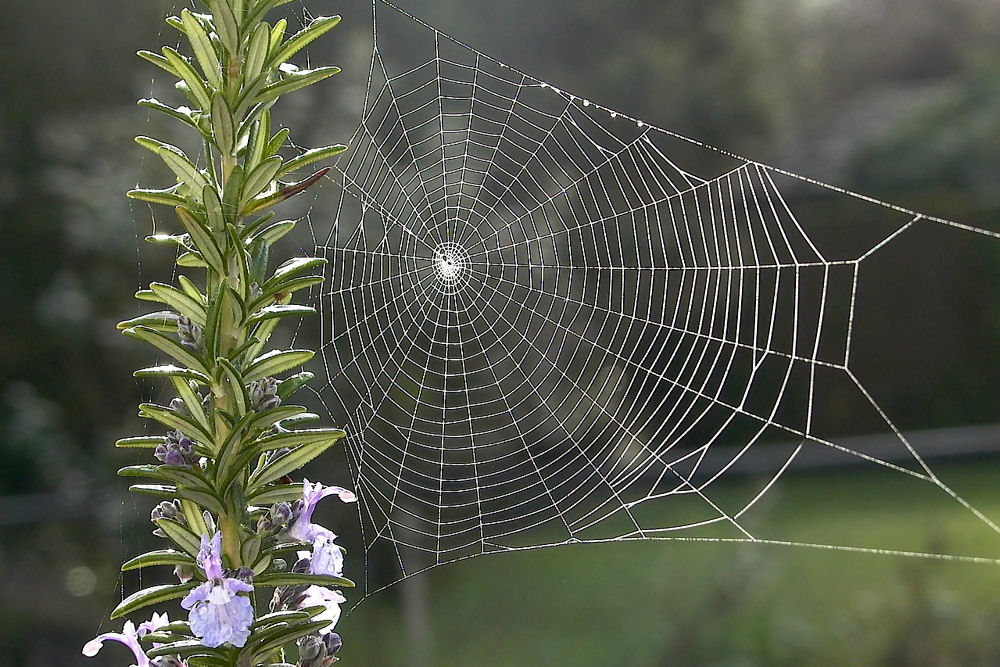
{"x": 182, "y": 536}
{"x": 180, "y": 301}
{"x": 292, "y": 384}
{"x": 139, "y": 442}
{"x": 177, "y": 421}
{"x": 150, "y": 596}
{"x": 176, "y": 160}
{"x": 277, "y": 493}
{"x": 168, "y": 345}
{"x": 203, "y": 239}
{"x": 290, "y": 462}
{"x": 260, "y": 42}
{"x": 260, "y": 178}
{"x": 292, "y": 267}
{"x": 158, "y": 60}
{"x": 171, "y": 371}
{"x": 225, "y": 25}
{"x": 311, "y": 156}
{"x": 318, "y": 27}
{"x": 164, "y": 321}
{"x": 276, "y": 362}
{"x": 272, "y": 233}
{"x": 160, "y": 557}
{"x": 182, "y": 114}
{"x": 223, "y": 126}
{"x": 292, "y": 82}
{"x": 294, "y": 579}
{"x": 296, "y": 438}
{"x": 202, "y": 47}
{"x": 189, "y": 76}
{"x": 290, "y": 310}
{"x": 168, "y": 196}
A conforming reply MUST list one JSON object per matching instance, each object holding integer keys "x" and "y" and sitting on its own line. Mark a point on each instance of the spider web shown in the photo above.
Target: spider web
{"x": 546, "y": 322}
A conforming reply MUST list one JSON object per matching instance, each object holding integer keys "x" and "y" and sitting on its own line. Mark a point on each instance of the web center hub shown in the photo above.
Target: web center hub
{"x": 451, "y": 261}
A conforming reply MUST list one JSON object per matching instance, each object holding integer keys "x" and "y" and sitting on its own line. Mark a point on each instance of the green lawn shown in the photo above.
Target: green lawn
{"x": 667, "y": 603}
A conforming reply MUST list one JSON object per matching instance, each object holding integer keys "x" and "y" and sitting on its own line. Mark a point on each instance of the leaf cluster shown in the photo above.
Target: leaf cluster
{"x": 215, "y": 326}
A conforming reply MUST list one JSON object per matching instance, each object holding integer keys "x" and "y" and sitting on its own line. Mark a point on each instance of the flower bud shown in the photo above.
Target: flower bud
{"x": 318, "y": 650}
{"x": 176, "y": 450}
{"x": 188, "y": 332}
{"x": 174, "y": 458}
{"x": 264, "y": 394}
{"x": 168, "y": 509}
{"x": 281, "y": 514}
{"x": 310, "y": 648}
{"x": 333, "y": 642}
{"x": 287, "y": 597}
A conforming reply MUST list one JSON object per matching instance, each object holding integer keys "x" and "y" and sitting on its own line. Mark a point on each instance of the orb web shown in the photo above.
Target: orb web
{"x": 546, "y": 322}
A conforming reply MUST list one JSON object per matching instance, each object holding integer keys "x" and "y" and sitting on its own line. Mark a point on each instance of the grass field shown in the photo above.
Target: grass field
{"x": 668, "y": 603}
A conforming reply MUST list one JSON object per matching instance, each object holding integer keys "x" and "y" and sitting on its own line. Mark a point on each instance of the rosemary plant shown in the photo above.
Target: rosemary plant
{"x": 255, "y": 574}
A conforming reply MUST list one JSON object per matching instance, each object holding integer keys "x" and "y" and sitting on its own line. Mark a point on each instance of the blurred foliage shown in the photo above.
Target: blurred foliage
{"x": 649, "y": 604}
{"x": 899, "y": 99}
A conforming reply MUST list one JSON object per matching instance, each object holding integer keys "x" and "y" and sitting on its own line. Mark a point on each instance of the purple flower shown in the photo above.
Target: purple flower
{"x": 128, "y": 636}
{"x": 327, "y": 558}
{"x": 316, "y": 596}
{"x": 219, "y": 614}
{"x": 158, "y": 621}
{"x": 303, "y": 528}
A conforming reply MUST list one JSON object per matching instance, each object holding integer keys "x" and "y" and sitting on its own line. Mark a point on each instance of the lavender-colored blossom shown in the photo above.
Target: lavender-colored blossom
{"x": 316, "y": 596}
{"x": 219, "y": 614}
{"x": 326, "y": 557}
{"x": 158, "y": 621}
{"x": 303, "y": 528}
{"x": 210, "y": 556}
{"x": 128, "y": 636}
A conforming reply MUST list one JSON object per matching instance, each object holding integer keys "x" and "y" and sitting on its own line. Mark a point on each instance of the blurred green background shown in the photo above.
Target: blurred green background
{"x": 899, "y": 99}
